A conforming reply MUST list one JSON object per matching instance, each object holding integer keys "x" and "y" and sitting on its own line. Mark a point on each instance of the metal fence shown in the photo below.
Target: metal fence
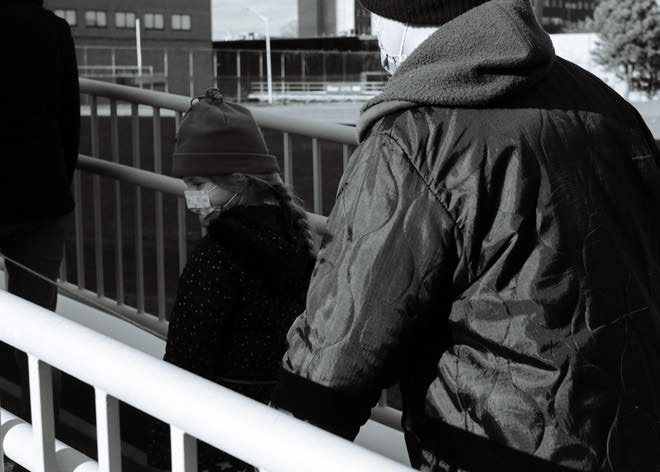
{"x": 131, "y": 224}
{"x": 238, "y": 70}
{"x": 195, "y": 408}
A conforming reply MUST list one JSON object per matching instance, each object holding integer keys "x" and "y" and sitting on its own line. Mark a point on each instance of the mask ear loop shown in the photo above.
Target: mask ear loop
{"x": 224, "y": 207}
{"x": 403, "y": 40}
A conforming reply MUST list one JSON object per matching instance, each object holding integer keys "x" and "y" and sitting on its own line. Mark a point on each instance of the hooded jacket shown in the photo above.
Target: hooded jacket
{"x": 240, "y": 291}
{"x": 496, "y": 251}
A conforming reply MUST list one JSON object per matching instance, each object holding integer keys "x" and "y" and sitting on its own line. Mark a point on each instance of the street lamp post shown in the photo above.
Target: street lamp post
{"x": 269, "y": 70}
{"x": 138, "y": 49}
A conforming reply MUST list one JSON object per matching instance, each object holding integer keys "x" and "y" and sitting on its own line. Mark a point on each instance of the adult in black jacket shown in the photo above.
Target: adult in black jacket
{"x": 496, "y": 251}
{"x": 39, "y": 132}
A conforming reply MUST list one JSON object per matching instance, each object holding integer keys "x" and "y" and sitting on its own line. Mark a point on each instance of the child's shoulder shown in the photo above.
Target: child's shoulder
{"x": 211, "y": 254}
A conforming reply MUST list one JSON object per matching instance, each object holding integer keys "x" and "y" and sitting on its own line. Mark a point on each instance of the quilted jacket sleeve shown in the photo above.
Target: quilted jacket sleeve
{"x": 376, "y": 284}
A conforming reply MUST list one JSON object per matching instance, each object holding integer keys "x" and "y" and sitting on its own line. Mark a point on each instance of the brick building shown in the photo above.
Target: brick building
{"x": 332, "y": 18}
{"x": 175, "y": 37}
{"x": 555, "y": 14}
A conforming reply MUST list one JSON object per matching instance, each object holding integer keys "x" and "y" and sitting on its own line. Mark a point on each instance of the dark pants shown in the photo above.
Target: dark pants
{"x": 38, "y": 245}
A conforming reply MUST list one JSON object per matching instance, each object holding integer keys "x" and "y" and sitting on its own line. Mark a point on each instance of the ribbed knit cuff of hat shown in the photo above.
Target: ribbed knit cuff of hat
{"x": 420, "y": 12}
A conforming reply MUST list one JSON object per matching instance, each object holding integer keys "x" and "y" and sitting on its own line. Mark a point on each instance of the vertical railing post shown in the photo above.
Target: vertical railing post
{"x": 345, "y": 156}
{"x": 317, "y": 176}
{"x": 184, "y": 451}
{"x": 182, "y": 233}
{"x": 2, "y": 443}
{"x": 282, "y": 71}
{"x": 160, "y": 246}
{"x": 108, "y": 437}
{"x": 288, "y": 159}
{"x": 191, "y": 73}
{"x": 261, "y": 73}
{"x": 119, "y": 244}
{"x": 96, "y": 189}
{"x": 215, "y": 68}
{"x": 325, "y": 72}
{"x": 113, "y": 64}
{"x": 80, "y": 242}
{"x": 303, "y": 72}
{"x": 165, "y": 71}
{"x": 63, "y": 268}
{"x": 139, "y": 256}
{"x": 238, "y": 76}
{"x": 181, "y": 216}
{"x": 43, "y": 419}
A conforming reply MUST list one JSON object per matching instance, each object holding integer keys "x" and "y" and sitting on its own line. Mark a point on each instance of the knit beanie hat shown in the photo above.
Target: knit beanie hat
{"x": 217, "y": 138}
{"x": 421, "y": 12}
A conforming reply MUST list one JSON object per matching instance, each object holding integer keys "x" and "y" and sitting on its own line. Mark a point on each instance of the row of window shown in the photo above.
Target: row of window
{"x": 126, "y": 20}
{"x": 579, "y": 5}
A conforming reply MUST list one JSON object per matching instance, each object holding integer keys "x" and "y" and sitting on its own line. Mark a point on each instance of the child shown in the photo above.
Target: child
{"x": 247, "y": 280}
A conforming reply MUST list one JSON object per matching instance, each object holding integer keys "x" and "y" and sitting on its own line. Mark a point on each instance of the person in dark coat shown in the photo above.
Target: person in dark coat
{"x": 496, "y": 251}
{"x": 246, "y": 281}
{"x": 39, "y": 134}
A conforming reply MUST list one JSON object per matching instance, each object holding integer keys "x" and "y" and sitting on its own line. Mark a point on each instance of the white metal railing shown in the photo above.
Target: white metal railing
{"x": 159, "y": 186}
{"x": 369, "y": 88}
{"x": 115, "y": 71}
{"x": 143, "y": 180}
{"x": 192, "y": 406}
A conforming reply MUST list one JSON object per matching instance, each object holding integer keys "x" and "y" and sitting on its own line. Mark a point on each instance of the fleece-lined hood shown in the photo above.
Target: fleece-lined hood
{"x": 488, "y": 53}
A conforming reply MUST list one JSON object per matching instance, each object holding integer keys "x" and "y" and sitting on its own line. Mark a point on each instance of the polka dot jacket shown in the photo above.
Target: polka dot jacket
{"x": 242, "y": 288}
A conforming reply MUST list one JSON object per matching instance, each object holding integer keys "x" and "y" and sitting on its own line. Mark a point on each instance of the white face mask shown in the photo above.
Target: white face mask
{"x": 199, "y": 202}
{"x": 390, "y": 58}
{"x": 398, "y": 40}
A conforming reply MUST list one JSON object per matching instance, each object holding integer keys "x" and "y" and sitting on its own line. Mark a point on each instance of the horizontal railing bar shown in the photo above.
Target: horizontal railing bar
{"x": 305, "y": 127}
{"x": 278, "y": 442}
{"x": 131, "y": 175}
{"x": 146, "y": 322}
{"x": 150, "y": 180}
{"x": 17, "y": 443}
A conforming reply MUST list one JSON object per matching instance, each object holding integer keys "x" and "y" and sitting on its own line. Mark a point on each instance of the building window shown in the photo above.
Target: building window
{"x": 181, "y": 22}
{"x": 69, "y": 15}
{"x": 96, "y": 19}
{"x": 125, "y": 19}
{"x": 154, "y": 21}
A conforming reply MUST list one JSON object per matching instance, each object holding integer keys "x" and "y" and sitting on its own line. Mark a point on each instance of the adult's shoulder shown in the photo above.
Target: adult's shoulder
{"x": 426, "y": 130}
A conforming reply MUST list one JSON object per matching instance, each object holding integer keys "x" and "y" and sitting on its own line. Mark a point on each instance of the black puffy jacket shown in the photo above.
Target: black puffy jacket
{"x": 496, "y": 250}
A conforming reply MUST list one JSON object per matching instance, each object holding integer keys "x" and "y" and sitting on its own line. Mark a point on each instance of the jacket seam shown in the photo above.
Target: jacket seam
{"x": 426, "y": 183}
{"x": 446, "y": 212}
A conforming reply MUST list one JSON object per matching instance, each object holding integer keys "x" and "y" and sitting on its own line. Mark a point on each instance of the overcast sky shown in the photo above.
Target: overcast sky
{"x": 230, "y": 18}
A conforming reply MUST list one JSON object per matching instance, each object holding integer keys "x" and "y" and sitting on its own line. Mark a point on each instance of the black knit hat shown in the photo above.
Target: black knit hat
{"x": 217, "y": 138}
{"x": 420, "y": 12}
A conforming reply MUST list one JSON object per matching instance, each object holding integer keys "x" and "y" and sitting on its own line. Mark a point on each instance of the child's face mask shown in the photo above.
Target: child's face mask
{"x": 199, "y": 202}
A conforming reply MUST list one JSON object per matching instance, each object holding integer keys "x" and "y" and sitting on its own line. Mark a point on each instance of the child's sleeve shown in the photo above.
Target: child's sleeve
{"x": 200, "y": 315}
